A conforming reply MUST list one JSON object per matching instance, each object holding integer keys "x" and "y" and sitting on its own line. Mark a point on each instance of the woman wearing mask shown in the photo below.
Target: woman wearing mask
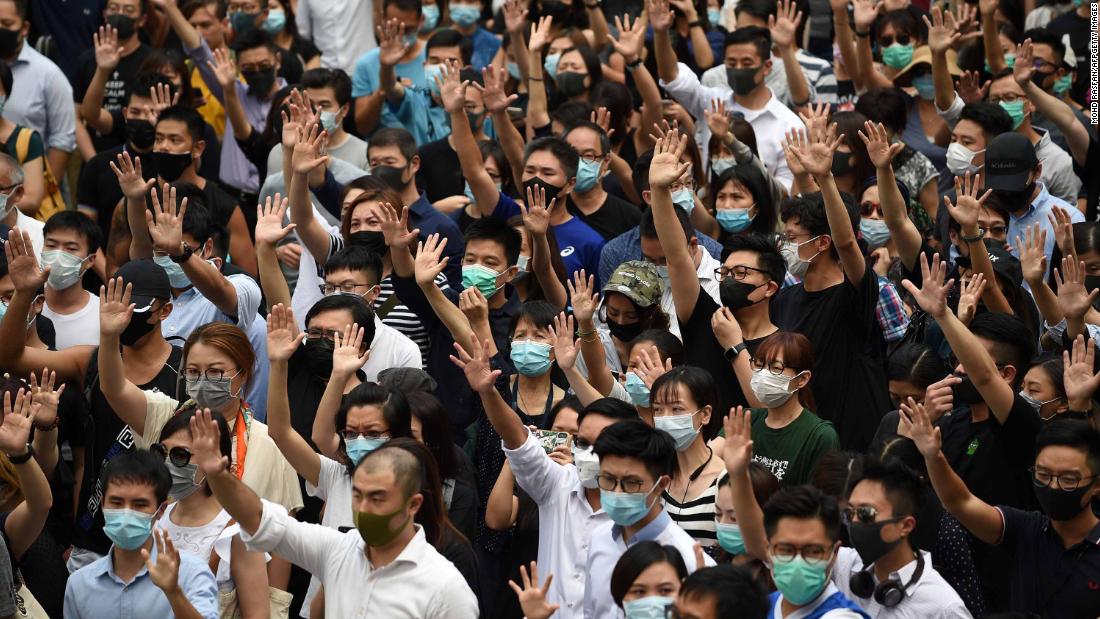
{"x": 872, "y": 225}
{"x": 851, "y": 165}
{"x": 199, "y": 525}
{"x": 789, "y": 439}
{"x": 578, "y": 71}
{"x": 1043, "y": 388}
{"x": 684, "y": 401}
{"x": 730, "y": 540}
{"x": 743, "y": 202}
{"x": 280, "y": 25}
{"x": 431, "y": 426}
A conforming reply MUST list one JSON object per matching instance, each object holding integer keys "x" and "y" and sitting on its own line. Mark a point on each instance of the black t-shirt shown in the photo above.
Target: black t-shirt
{"x": 1091, "y": 181}
{"x": 849, "y": 382}
{"x": 98, "y": 187}
{"x": 114, "y": 92}
{"x": 613, "y": 218}
{"x": 110, "y": 437}
{"x": 440, "y": 173}
{"x": 701, "y": 349}
{"x": 219, "y": 203}
{"x": 1077, "y": 28}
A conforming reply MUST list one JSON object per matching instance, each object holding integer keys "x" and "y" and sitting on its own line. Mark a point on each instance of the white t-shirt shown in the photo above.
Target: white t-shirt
{"x": 201, "y": 541}
{"x": 80, "y": 328}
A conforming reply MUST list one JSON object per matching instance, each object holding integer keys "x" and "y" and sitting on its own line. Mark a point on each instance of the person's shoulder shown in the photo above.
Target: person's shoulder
{"x": 367, "y": 60}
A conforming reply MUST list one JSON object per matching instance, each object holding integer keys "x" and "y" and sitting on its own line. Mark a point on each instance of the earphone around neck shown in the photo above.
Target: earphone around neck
{"x": 888, "y": 593}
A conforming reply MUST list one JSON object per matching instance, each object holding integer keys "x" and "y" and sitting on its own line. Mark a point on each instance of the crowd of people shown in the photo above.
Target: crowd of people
{"x": 517, "y": 309}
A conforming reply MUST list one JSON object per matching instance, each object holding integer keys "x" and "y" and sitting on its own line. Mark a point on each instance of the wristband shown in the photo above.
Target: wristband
{"x": 24, "y": 457}
{"x": 634, "y": 64}
{"x": 863, "y": 34}
{"x": 535, "y": 79}
{"x": 48, "y": 427}
{"x": 184, "y": 257}
{"x": 732, "y": 352}
{"x": 696, "y": 24}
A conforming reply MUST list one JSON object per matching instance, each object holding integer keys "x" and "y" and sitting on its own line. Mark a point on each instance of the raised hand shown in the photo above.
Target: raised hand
{"x": 307, "y": 155}
{"x": 1063, "y": 230}
{"x": 816, "y": 119}
{"x": 108, "y": 53}
{"x": 515, "y": 16}
{"x": 162, "y": 98}
{"x": 474, "y": 306}
{"x": 536, "y": 215}
{"x": 269, "y": 221}
{"x": 966, "y": 15}
{"x": 1024, "y": 68}
{"x": 660, "y": 14}
{"x": 391, "y": 44}
{"x": 493, "y": 94}
{"x": 475, "y": 366}
{"x": 26, "y": 275}
{"x": 914, "y": 424}
{"x": 718, "y": 121}
{"x": 1079, "y": 381}
{"x": 115, "y": 309}
{"x": 649, "y": 367}
{"x": 971, "y": 89}
{"x": 864, "y": 13}
{"x": 130, "y": 180}
{"x": 540, "y": 34}
{"x": 349, "y": 354}
{"x": 283, "y": 336}
{"x": 565, "y": 348}
{"x": 939, "y": 397}
{"x": 44, "y": 399}
{"x": 166, "y": 230}
{"x": 968, "y": 205}
{"x": 206, "y": 444}
{"x": 817, "y": 158}
{"x": 290, "y": 254}
{"x": 943, "y": 32}
{"x": 879, "y": 149}
{"x": 15, "y": 431}
{"x": 687, "y": 8}
{"x": 601, "y": 116}
{"x": 795, "y": 138}
{"x": 784, "y": 24}
{"x": 430, "y": 260}
{"x": 1074, "y": 299}
{"x": 532, "y": 598}
{"x": 631, "y": 39}
{"x": 225, "y": 70}
{"x": 452, "y": 90}
{"x": 737, "y": 451}
{"x": 395, "y": 229}
{"x": 726, "y": 328}
{"x": 1033, "y": 258}
{"x": 932, "y": 297}
{"x": 583, "y": 294}
{"x": 969, "y": 296}
{"x": 666, "y": 168}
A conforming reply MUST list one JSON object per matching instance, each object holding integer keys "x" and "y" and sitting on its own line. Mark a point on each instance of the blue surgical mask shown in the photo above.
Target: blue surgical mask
{"x": 733, "y": 220}
{"x": 874, "y": 232}
{"x": 729, "y": 538}
{"x": 588, "y": 174}
{"x": 531, "y": 358}
{"x": 551, "y": 65}
{"x": 464, "y": 15}
{"x": 126, "y": 528}
{"x": 3, "y": 102}
{"x": 680, "y": 427}
{"x": 176, "y": 277}
{"x": 431, "y": 17}
{"x": 714, "y": 16}
{"x": 513, "y": 70}
{"x": 409, "y": 40}
{"x": 358, "y": 448}
{"x": 652, "y": 607}
{"x": 685, "y": 199}
{"x": 431, "y": 71}
{"x": 925, "y": 88}
{"x": 721, "y": 164}
{"x": 625, "y": 508}
{"x": 469, "y": 193}
{"x": 329, "y": 121}
{"x": 275, "y": 22}
{"x": 799, "y": 580}
{"x": 637, "y": 390}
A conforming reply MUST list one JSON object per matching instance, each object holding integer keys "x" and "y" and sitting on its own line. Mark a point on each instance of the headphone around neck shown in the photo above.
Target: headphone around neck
{"x": 888, "y": 593}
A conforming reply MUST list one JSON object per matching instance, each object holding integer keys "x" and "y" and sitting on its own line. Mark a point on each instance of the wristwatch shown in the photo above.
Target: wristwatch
{"x": 22, "y": 458}
{"x": 732, "y": 352}
{"x": 184, "y": 257}
{"x": 696, "y": 24}
{"x": 973, "y": 239}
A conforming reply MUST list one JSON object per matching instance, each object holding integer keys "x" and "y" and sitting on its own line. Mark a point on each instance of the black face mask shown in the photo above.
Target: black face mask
{"x": 571, "y": 83}
{"x": 1092, "y": 282}
{"x": 260, "y": 82}
{"x": 552, "y": 191}
{"x": 1059, "y": 504}
{"x": 867, "y": 540}
{"x": 735, "y": 294}
{"x": 140, "y": 133}
{"x": 625, "y": 333}
{"x": 138, "y": 328}
{"x": 9, "y": 42}
{"x": 124, "y": 24}
{"x": 319, "y": 357}
{"x": 170, "y": 166}
{"x": 965, "y": 392}
{"x": 1015, "y": 199}
{"x": 390, "y": 175}
{"x": 842, "y": 162}
{"x": 742, "y": 81}
{"x": 373, "y": 240}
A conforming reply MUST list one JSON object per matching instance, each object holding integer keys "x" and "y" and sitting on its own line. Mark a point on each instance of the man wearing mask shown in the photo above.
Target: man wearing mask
{"x": 11, "y": 192}
{"x": 114, "y": 60}
{"x": 605, "y": 213}
{"x": 150, "y": 362}
{"x": 466, "y": 14}
{"x": 406, "y": 17}
{"x": 248, "y": 16}
{"x": 440, "y": 172}
{"x": 385, "y": 499}
{"x": 748, "y": 62}
{"x": 71, "y": 244}
{"x": 330, "y": 91}
{"x": 421, "y": 110}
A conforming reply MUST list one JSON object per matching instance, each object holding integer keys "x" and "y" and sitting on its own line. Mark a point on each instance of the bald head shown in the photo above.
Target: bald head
{"x": 406, "y": 469}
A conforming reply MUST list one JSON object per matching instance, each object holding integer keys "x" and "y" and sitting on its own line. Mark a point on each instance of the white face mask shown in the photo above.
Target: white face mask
{"x": 771, "y": 389}
{"x": 795, "y": 264}
{"x": 959, "y": 159}
{"x": 65, "y": 268}
{"x": 588, "y": 465}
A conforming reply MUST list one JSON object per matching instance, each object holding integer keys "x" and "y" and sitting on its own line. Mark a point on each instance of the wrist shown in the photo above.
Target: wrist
{"x": 1081, "y": 406}
{"x": 48, "y": 427}
{"x": 23, "y": 456}
{"x": 972, "y": 234}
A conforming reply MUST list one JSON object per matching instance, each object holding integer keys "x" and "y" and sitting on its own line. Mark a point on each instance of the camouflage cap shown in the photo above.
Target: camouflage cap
{"x": 639, "y": 280}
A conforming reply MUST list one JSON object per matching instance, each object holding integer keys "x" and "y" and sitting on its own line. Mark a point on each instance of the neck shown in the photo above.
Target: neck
{"x": 410, "y": 194}
{"x": 1074, "y": 531}
{"x": 198, "y": 507}
{"x": 894, "y": 560}
{"x": 466, "y": 30}
{"x": 692, "y": 458}
{"x": 824, "y": 272}
{"x": 129, "y": 562}
{"x": 592, "y": 495}
{"x": 755, "y": 100}
{"x": 560, "y": 214}
{"x": 590, "y": 201}
{"x": 381, "y": 556}
{"x": 534, "y": 383}
{"x": 754, "y": 320}
{"x": 131, "y": 44}
{"x": 782, "y": 415}
{"x": 498, "y": 299}
{"x": 71, "y": 298}
{"x": 632, "y": 530}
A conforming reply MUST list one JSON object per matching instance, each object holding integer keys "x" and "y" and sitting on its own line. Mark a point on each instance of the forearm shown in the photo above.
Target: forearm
{"x": 511, "y": 142}
{"x": 796, "y": 80}
{"x": 1055, "y": 110}
{"x": 1047, "y": 302}
{"x": 544, "y": 272}
{"x": 667, "y": 68}
{"x": 324, "y": 422}
{"x": 597, "y": 22}
{"x": 183, "y": 28}
{"x": 700, "y": 48}
{"x": 448, "y": 313}
{"x": 499, "y": 514}
{"x": 45, "y": 450}
{"x": 181, "y": 606}
{"x": 34, "y": 187}
{"x": 651, "y": 102}
{"x": 473, "y": 167}
{"x": 992, "y": 44}
{"x": 391, "y": 88}
{"x": 979, "y": 260}
{"x": 272, "y": 281}
{"x": 595, "y": 357}
{"x": 865, "y": 64}
{"x": 211, "y": 284}
{"x": 293, "y": 447}
{"x": 503, "y": 419}
{"x": 583, "y": 389}
{"x": 749, "y": 515}
{"x": 126, "y": 398}
{"x": 843, "y": 39}
{"x": 241, "y": 249}
{"x": 141, "y": 244}
{"x": 959, "y": 501}
{"x": 13, "y": 329}
{"x": 37, "y": 496}
{"x": 234, "y": 111}
{"x": 402, "y": 259}
{"x": 368, "y": 110}
{"x": 537, "y": 114}
{"x": 625, "y": 175}
{"x": 941, "y": 79}
{"x": 58, "y": 160}
{"x": 238, "y": 499}
{"x": 521, "y": 54}
{"x": 907, "y": 239}
{"x": 91, "y": 107}
{"x": 309, "y": 230}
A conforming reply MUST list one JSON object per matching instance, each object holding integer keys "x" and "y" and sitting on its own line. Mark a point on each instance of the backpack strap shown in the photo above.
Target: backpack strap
{"x": 23, "y": 144}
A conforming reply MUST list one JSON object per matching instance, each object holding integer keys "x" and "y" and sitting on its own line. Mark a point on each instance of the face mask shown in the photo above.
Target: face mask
{"x": 375, "y": 528}
{"x": 551, "y": 65}
{"x": 432, "y": 71}
{"x": 176, "y": 277}
{"x": 128, "y": 529}
{"x": 552, "y": 191}
{"x": 925, "y": 88}
{"x": 140, "y": 133}
{"x": 465, "y": 15}
{"x": 795, "y": 264}
{"x": 138, "y": 328}
{"x": 513, "y": 70}
{"x": 9, "y": 42}
{"x": 714, "y": 16}
{"x": 409, "y": 40}
{"x": 124, "y": 24}
{"x": 965, "y": 392}
{"x": 212, "y": 394}
{"x": 1037, "y": 404}
{"x": 685, "y": 199}
{"x": 742, "y": 81}
{"x": 329, "y": 121}
{"x": 476, "y": 120}
{"x": 6, "y": 208}
{"x": 959, "y": 159}
{"x": 733, "y": 220}
{"x": 771, "y": 389}
{"x": 637, "y": 390}
{"x": 260, "y": 83}
{"x": 719, "y": 165}
{"x": 799, "y": 580}
{"x": 242, "y": 22}
{"x": 1015, "y": 110}
{"x": 1010, "y": 60}
{"x": 170, "y": 166}
{"x": 874, "y": 232}
{"x": 588, "y": 174}
{"x": 730, "y": 539}
{"x": 842, "y": 163}
{"x": 1062, "y": 84}
{"x": 371, "y": 240}
{"x": 275, "y": 22}
{"x": 571, "y": 83}
{"x": 65, "y": 268}
{"x": 480, "y": 277}
{"x": 1015, "y": 199}
{"x": 735, "y": 294}
{"x": 319, "y": 357}
{"x": 183, "y": 480}
{"x": 624, "y": 333}
{"x": 531, "y": 358}
{"x": 897, "y": 55}
{"x": 3, "y": 102}
{"x": 391, "y": 175}
{"x": 680, "y": 427}
{"x": 625, "y": 508}
{"x": 662, "y": 271}
{"x": 588, "y": 466}
{"x": 431, "y": 17}
{"x": 652, "y": 607}
{"x": 867, "y": 540}
{"x": 358, "y": 448}
{"x": 1059, "y": 504}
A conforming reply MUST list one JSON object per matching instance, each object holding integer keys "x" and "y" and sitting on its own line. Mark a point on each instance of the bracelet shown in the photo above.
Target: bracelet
{"x": 535, "y": 79}
{"x": 634, "y": 64}
{"x": 973, "y": 239}
{"x": 48, "y": 427}
{"x": 863, "y": 34}
{"x": 1079, "y": 413}
{"x": 696, "y": 24}
{"x": 584, "y": 334}
{"x": 20, "y": 459}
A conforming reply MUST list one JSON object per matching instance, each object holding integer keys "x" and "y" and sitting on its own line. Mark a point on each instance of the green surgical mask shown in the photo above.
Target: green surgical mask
{"x": 480, "y": 277}
{"x": 1016, "y": 111}
{"x": 897, "y": 55}
{"x": 375, "y": 528}
{"x": 1063, "y": 84}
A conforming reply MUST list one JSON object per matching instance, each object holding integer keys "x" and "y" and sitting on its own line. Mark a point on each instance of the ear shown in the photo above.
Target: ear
{"x": 908, "y": 525}
{"x": 510, "y": 273}
{"x": 1009, "y": 374}
{"x": 165, "y": 310}
{"x": 568, "y": 188}
{"x": 803, "y": 379}
{"x": 767, "y": 66}
{"x": 197, "y": 149}
{"x": 704, "y": 415}
{"x": 16, "y": 195}
{"x": 415, "y": 163}
{"x": 646, "y": 195}
{"x": 415, "y": 502}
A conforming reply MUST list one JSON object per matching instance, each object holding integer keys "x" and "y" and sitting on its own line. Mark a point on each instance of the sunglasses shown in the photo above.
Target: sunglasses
{"x": 868, "y": 208}
{"x": 888, "y": 39}
{"x": 864, "y": 514}
{"x": 179, "y": 456}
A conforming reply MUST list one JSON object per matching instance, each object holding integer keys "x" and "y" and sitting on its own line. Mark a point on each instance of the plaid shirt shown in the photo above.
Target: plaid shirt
{"x": 890, "y": 312}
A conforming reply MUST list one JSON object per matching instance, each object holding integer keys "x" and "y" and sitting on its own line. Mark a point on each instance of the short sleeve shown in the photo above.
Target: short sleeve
{"x": 507, "y": 208}
{"x": 248, "y": 299}
{"x": 365, "y": 75}
{"x": 37, "y": 147}
{"x": 1019, "y": 525}
{"x": 158, "y": 409}
{"x": 331, "y": 473}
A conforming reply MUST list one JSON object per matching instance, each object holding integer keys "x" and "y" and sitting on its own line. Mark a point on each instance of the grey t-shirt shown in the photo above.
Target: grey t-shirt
{"x": 353, "y": 151}
{"x": 7, "y": 575}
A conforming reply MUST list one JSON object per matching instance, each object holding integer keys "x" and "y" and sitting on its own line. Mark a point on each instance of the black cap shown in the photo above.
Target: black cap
{"x": 149, "y": 281}
{"x": 407, "y": 379}
{"x": 1005, "y": 265}
{"x": 1009, "y": 160}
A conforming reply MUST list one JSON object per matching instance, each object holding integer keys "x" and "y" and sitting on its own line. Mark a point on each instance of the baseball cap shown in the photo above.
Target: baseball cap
{"x": 639, "y": 280}
{"x": 407, "y": 379}
{"x": 149, "y": 282}
{"x": 1009, "y": 159}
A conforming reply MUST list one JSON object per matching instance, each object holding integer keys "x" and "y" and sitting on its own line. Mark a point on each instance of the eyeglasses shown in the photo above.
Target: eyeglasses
{"x": 351, "y": 435}
{"x": 775, "y": 367}
{"x": 593, "y": 158}
{"x": 994, "y": 230}
{"x": 312, "y": 335}
{"x": 348, "y": 287}
{"x": 864, "y": 514}
{"x": 243, "y": 7}
{"x": 739, "y": 272}
{"x": 793, "y": 238}
{"x": 1066, "y": 481}
{"x": 1008, "y": 97}
{"x": 212, "y": 374}
{"x": 179, "y": 456}
{"x": 888, "y": 39}
{"x": 813, "y": 553}
{"x": 868, "y": 208}
{"x": 678, "y": 185}
{"x": 610, "y": 483}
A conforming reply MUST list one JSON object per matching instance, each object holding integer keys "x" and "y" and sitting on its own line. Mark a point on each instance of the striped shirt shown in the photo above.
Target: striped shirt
{"x": 818, "y": 73}
{"x": 696, "y": 517}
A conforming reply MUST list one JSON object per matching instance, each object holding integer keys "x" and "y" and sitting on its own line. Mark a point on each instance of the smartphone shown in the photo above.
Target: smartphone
{"x": 552, "y": 438}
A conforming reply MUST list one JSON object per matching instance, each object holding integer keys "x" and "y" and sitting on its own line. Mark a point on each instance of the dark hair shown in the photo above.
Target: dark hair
{"x": 760, "y": 37}
{"x": 903, "y": 21}
{"x": 158, "y": 60}
{"x": 902, "y": 486}
{"x": 619, "y": 102}
{"x": 887, "y": 105}
{"x": 766, "y": 250}
{"x": 647, "y": 228}
{"x": 197, "y": 221}
{"x": 77, "y": 222}
{"x": 253, "y": 39}
{"x": 734, "y": 591}
{"x": 637, "y": 559}
{"x": 1013, "y": 343}
{"x": 6, "y": 79}
{"x": 808, "y": 211}
{"x": 916, "y": 363}
{"x": 181, "y": 421}
{"x": 139, "y": 466}
{"x": 186, "y": 115}
{"x": 749, "y": 176}
{"x": 761, "y": 9}
{"x": 764, "y": 482}
{"x": 849, "y": 124}
{"x": 191, "y": 6}
{"x": 803, "y": 503}
{"x": 605, "y": 142}
{"x": 569, "y": 113}
{"x": 612, "y": 408}
{"x": 634, "y": 438}
{"x": 356, "y": 258}
{"x": 1044, "y": 36}
{"x": 498, "y": 231}
{"x": 538, "y": 313}
{"x": 666, "y": 343}
{"x": 571, "y": 402}
{"x": 557, "y": 147}
{"x": 836, "y": 472}
{"x": 641, "y": 173}
{"x": 374, "y": 189}
{"x": 141, "y": 83}
{"x": 700, "y": 384}
{"x": 335, "y": 79}
{"x": 591, "y": 63}
{"x": 395, "y": 136}
{"x": 490, "y": 148}
{"x": 405, "y": 5}
{"x": 361, "y": 315}
{"x": 447, "y": 37}
{"x": 1052, "y": 365}
{"x": 435, "y": 430}
{"x": 1070, "y": 433}
{"x": 798, "y": 355}
{"x": 395, "y": 409}
{"x": 992, "y": 118}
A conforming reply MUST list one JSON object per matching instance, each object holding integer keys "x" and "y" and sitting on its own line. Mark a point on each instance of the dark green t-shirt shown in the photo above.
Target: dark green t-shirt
{"x": 791, "y": 453}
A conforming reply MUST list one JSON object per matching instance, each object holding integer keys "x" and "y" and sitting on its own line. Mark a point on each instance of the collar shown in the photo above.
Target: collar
{"x": 905, "y": 573}
{"x": 1040, "y": 200}
{"x": 1094, "y": 535}
{"x": 769, "y": 107}
{"x": 422, "y": 207}
{"x": 106, "y": 567}
{"x": 707, "y": 264}
{"x": 414, "y": 551}
{"x": 26, "y": 54}
{"x": 649, "y": 532}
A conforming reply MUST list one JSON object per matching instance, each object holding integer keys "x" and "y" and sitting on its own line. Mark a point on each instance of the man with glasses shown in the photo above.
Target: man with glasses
{"x": 605, "y": 213}
{"x": 11, "y": 191}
